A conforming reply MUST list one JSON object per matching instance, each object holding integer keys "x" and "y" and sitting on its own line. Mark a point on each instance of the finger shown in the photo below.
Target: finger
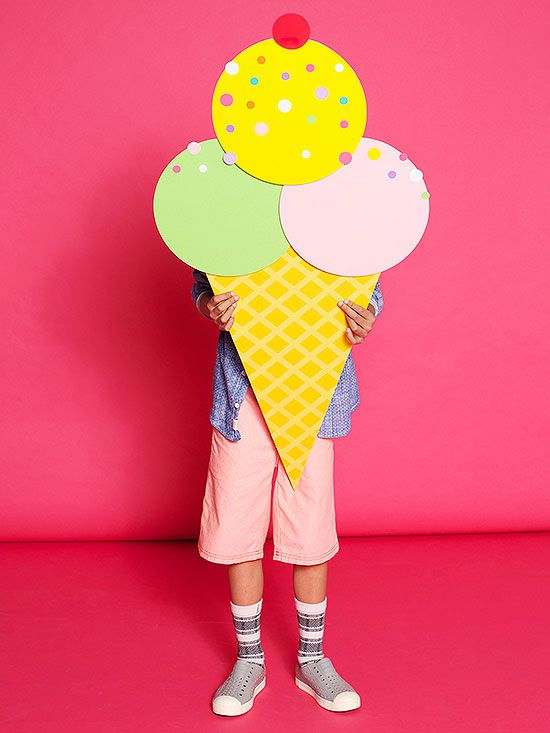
{"x": 350, "y": 337}
{"x": 355, "y": 328}
{"x": 220, "y": 297}
{"x": 227, "y": 326}
{"x": 222, "y": 306}
{"x": 356, "y": 307}
{"x": 349, "y": 311}
{"x": 227, "y": 314}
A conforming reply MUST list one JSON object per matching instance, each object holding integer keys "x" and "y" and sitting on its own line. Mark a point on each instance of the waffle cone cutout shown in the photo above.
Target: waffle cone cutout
{"x": 290, "y": 335}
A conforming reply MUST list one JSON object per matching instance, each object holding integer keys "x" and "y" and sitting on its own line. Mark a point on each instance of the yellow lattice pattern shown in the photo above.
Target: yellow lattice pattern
{"x": 290, "y": 335}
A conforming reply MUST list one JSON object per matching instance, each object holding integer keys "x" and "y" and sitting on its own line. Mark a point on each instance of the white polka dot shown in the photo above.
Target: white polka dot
{"x": 260, "y": 128}
{"x": 285, "y": 105}
{"x": 339, "y": 67}
{"x": 203, "y": 168}
{"x": 194, "y": 148}
{"x": 306, "y": 154}
{"x": 232, "y": 67}
{"x": 416, "y": 175}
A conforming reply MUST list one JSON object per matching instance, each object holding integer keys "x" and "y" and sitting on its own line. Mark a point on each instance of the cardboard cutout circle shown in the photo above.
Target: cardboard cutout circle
{"x": 291, "y": 116}
{"x": 365, "y": 218}
{"x": 215, "y": 217}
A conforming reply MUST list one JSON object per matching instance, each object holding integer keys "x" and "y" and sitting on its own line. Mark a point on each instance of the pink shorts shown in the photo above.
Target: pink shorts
{"x": 237, "y": 499}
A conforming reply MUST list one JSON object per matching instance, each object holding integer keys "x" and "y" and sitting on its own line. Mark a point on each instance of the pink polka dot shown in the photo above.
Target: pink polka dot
{"x": 344, "y": 123}
{"x": 403, "y": 156}
{"x": 344, "y": 158}
{"x": 226, "y": 100}
{"x": 176, "y": 169}
{"x": 310, "y": 67}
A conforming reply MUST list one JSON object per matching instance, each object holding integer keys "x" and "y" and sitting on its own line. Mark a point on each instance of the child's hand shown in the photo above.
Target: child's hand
{"x": 360, "y": 321}
{"x": 221, "y": 309}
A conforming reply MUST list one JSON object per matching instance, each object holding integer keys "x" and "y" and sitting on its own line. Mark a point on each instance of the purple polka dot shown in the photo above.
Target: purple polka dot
{"x": 310, "y": 67}
{"x": 344, "y": 123}
{"x": 176, "y": 169}
{"x": 285, "y": 75}
{"x": 344, "y": 158}
{"x": 230, "y": 128}
{"x": 229, "y": 158}
{"x": 226, "y": 100}
{"x": 391, "y": 174}
{"x": 321, "y": 92}
{"x": 403, "y": 156}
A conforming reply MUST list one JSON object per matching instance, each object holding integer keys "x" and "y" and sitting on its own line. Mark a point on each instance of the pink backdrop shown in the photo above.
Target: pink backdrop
{"x": 106, "y": 366}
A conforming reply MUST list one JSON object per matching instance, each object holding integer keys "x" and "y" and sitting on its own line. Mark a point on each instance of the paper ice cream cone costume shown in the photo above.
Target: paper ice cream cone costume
{"x": 292, "y": 209}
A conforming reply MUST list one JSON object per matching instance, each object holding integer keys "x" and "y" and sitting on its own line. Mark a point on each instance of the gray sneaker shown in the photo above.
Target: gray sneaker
{"x": 320, "y": 680}
{"x": 236, "y": 695}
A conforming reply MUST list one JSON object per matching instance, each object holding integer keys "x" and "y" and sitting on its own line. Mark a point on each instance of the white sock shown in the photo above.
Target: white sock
{"x": 311, "y": 625}
{"x": 246, "y": 620}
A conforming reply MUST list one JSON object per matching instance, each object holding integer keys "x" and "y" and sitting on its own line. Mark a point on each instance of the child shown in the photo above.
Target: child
{"x": 236, "y": 508}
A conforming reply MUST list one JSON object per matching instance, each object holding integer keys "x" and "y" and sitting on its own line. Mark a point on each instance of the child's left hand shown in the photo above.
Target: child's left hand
{"x": 360, "y": 321}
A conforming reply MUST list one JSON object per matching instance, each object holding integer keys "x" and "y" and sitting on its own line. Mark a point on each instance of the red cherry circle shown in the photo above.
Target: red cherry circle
{"x": 291, "y": 30}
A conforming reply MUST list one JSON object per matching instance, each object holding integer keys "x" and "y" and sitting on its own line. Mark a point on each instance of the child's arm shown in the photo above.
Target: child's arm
{"x": 218, "y": 308}
{"x": 361, "y": 320}
{"x": 201, "y": 287}
{"x": 376, "y": 300}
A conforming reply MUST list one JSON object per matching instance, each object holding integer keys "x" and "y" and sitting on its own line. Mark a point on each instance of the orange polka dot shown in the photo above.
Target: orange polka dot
{"x": 261, "y": 59}
{"x": 250, "y": 105}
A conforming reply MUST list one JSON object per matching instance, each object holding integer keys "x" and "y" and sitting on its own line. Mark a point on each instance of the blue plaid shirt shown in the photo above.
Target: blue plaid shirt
{"x": 230, "y": 380}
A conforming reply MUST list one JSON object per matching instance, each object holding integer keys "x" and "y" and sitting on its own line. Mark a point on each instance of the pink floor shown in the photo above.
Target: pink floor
{"x": 439, "y": 634}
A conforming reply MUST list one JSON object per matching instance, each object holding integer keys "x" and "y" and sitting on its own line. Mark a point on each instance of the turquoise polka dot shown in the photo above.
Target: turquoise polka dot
{"x": 254, "y": 80}
{"x": 343, "y": 100}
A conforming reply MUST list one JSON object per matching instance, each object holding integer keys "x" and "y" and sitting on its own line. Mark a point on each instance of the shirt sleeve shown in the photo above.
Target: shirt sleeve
{"x": 200, "y": 286}
{"x": 376, "y": 300}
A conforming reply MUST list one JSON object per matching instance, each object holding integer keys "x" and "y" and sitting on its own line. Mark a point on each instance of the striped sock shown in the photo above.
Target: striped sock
{"x": 311, "y": 625}
{"x": 246, "y": 620}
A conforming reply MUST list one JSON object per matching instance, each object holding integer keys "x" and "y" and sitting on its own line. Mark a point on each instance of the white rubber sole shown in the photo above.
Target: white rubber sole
{"x": 227, "y": 705}
{"x": 344, "y": 701}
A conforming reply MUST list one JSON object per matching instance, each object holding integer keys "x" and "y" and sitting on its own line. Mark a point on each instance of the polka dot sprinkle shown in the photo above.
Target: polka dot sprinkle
{"x": 391, "y": 174}
{"x": 226, "y": 100}
{"x": 285, "y": 75}
{"x": 345, "y": 158}
{"x": 254, "y": 81}
{"x": 310, "y": 68}
{"x": 312, "y": 119}
{"x": 230, "y": 128}
{"x": 343, "y": 100}
{"x": 425, "y": 195}
{"x": 321, "y": 92}
{"x": 339, "y": 68}
{"x": 229, "y": 158}
{"x": 306, "y": 154}
{"x": 203, "y": 168}
{"x": 176, "y": 169}
{"x": 232, "y": 68}
{"x": 415, "y": 175}
{"x": 285, "y": 105}
{"x": 260, "y": 128}
{"x": 374, "y": 153}
{"x": 403, "y": 156}
{"x": 250, "y": 104}
{"x": 194, "y": 148}
{"x": 344, "y": 123}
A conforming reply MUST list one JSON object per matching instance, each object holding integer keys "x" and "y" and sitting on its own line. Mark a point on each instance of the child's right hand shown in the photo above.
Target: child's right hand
{"x": 221, "y": 309}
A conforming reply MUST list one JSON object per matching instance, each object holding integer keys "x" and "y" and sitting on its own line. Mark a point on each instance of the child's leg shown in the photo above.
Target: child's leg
{"x": 310, "y": 582}
{"x": 310, "y": 594}
{"x": 246, "y": 582}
